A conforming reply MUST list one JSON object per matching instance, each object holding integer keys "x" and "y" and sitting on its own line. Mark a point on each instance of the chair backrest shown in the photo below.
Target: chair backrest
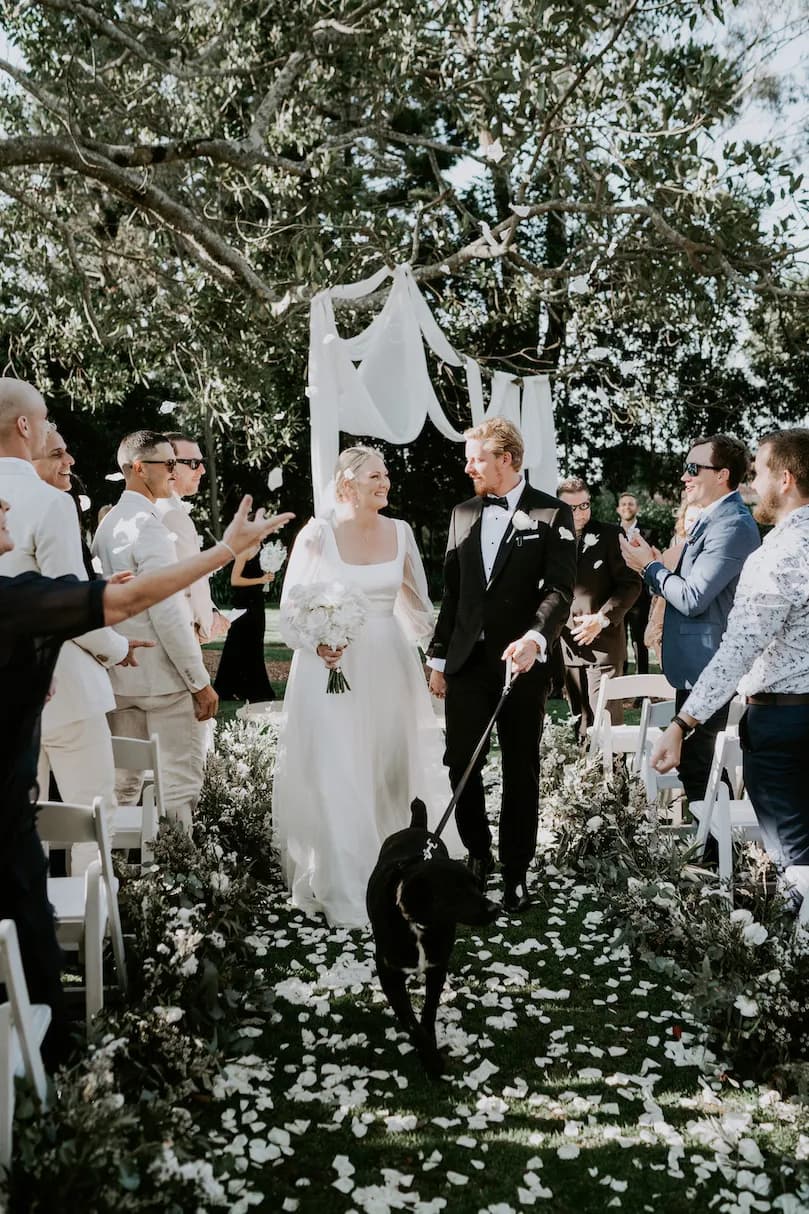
{"x": 141, "y": 754}
{"x": 652, "y": 716}
{"x": 625, "y": 687}
{"x": 13, "y": 978}
{"x": 727, "y": 757}
{"x": 736, "y": 711}
{"x": 58, "y": 822}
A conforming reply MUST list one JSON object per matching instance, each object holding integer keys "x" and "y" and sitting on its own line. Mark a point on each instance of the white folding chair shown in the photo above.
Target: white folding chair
{"x": 23, "y": 1026}
{"x": 135, "y": 826}
{"x": 612, "y": 739}
{"x": 85, "y": 908}
{"x": 660, "y": 787}
{"x": 725, "y": 811}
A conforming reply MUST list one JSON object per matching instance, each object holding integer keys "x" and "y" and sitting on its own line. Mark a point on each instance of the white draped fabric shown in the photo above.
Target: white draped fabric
{"x": 377, "y": 383}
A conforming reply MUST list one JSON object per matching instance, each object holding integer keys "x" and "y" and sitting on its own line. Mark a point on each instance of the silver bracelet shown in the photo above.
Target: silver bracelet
{"x": 230, "y": 550}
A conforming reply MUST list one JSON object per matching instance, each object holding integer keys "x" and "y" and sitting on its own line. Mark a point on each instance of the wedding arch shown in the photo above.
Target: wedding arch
{"x": 377, "y": 383}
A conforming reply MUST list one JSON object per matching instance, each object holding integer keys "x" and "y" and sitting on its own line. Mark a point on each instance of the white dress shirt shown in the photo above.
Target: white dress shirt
{"x": 766, "y": 643}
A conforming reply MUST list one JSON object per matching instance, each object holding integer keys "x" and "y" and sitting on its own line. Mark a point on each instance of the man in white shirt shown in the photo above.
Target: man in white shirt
{"x": 170, "y": 693}
{"x": 209, "y": 624}
{"x": 765, "y": 653}
{"x": 44, "y": 527}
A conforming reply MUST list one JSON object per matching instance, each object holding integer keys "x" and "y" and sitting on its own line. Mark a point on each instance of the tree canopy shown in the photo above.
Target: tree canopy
{"x": 179, "y": 177}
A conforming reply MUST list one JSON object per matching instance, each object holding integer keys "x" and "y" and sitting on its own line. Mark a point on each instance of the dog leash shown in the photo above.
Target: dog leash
{"x": 461, "y": 785}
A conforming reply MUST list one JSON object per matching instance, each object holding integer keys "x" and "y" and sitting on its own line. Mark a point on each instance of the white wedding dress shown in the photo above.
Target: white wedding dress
{"x": 349, "y": 764}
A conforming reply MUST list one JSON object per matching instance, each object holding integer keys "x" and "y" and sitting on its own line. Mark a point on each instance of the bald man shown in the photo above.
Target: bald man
{"x": 76, "y": 743}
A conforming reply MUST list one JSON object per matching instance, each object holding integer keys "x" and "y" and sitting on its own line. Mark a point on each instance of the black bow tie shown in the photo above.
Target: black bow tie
{"x": 502, "y": 502}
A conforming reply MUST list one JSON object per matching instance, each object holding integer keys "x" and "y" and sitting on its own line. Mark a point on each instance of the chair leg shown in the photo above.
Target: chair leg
{"x": 6, "y": 1087}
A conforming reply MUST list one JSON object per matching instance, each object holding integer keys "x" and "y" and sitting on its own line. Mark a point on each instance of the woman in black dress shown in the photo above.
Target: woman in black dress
{"x": 242, "y": 674}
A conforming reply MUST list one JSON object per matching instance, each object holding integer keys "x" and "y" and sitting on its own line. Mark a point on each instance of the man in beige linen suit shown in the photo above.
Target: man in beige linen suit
{"x": 170, "y": 693}
{"x": 44, "y": 526}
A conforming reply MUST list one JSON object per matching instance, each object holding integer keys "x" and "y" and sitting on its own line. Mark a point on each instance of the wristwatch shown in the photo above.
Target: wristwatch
{"x": 680, "y": 723}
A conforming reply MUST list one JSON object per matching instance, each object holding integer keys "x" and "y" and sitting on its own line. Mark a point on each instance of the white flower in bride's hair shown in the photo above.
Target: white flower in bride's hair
{"x": 349, "y": 474}
{"x": 564, "y": 534}
{"x": 520, "y": 521}
{"x": 588, "y": 541}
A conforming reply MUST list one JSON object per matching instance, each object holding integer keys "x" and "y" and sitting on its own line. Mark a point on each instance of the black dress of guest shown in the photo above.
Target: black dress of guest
{"x": 36, "y": 615}
{"x": 242, "y": 674}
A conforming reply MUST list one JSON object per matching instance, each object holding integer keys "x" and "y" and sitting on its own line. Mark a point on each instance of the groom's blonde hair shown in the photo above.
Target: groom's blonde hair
{"x": 349, "y": 463}
{"x": 500, "y": 435}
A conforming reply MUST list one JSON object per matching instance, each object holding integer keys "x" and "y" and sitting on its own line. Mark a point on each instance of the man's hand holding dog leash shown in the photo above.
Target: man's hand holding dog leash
{"x": 521, "y": 655}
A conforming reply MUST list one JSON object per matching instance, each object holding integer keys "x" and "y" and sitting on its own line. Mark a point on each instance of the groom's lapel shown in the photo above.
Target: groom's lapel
{"x": 506, "y": 545}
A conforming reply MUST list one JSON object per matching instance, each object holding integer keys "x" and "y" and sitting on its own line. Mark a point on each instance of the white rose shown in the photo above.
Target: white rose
{"x": 754, "y": 933}
{"x": 746, "y": 1005}
{"x": 741, "y": 916}
{"x": 589, "y": 541}
{"x": 593, "y": 824}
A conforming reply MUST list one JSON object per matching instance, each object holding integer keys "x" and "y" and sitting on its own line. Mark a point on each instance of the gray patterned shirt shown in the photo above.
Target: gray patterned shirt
{"x": 766, "y": 643}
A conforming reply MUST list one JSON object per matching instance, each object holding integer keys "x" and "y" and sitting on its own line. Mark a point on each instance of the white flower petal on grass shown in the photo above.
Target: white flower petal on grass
{"x": 568, "y": 1150}
{"x": 398, "y": 1124}
{"x": 457, "y": 1178}
{"x": 750, "y": 1153}
{"x": 168, "y": 406}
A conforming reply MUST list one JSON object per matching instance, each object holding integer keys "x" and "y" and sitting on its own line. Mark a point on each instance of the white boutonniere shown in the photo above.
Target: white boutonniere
{"x": 589, "y": 541}
{"x": 521, "y": 521}
{"x": 564, "y": 534}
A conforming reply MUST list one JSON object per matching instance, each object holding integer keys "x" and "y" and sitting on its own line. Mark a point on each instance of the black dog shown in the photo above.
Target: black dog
{"x": 416, "y": 896}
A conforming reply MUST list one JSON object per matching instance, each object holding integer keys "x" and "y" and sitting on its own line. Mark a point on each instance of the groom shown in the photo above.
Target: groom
{"x": 509, "y": 573}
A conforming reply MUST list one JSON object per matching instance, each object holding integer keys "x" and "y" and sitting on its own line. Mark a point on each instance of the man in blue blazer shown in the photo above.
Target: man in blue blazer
{"x": 699, "y": 594}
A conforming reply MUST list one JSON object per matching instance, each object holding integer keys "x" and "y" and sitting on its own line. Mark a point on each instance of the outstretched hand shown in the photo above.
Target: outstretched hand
{"x": 242, "y": 533}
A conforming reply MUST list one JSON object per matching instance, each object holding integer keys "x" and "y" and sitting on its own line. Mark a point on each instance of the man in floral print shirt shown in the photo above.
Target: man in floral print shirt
{"x": 765, "y": 653}
{"x": 593, "y": 640}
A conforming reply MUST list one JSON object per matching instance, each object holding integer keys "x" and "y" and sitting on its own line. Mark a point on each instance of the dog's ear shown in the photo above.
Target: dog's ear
{"x": 418, "y": 813}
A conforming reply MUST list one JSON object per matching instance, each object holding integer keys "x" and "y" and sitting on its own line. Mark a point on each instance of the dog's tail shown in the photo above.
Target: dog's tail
{"x": 418, "y": 813}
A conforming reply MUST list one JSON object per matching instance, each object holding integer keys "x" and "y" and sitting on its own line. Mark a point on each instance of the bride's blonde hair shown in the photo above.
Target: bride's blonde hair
{"x": 348, "y": 465}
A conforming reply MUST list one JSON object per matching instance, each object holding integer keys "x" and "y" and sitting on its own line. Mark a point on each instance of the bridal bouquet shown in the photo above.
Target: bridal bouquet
{"x": 327, "y": 613}
{"x": 271, "y": 559}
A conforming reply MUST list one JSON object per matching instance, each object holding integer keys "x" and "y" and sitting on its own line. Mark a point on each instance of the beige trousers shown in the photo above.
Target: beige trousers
{"x": 80, "y": 757}
{"x": 183, "y": 746}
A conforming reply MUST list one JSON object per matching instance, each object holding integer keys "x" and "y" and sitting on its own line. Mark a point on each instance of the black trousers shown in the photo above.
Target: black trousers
{"x": 472, "y": 696}
{"x": 775, "y": 742}
{"x": 636, "y": 620}
{"x": 697, "y": 754}
{"x": 24, "y": 898}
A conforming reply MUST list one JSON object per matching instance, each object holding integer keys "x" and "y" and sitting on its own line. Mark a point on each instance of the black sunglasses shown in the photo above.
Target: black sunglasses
{"x": 171, "y": 464}
{"x": 692, "y": 469}
{"x": 193, "y": 464}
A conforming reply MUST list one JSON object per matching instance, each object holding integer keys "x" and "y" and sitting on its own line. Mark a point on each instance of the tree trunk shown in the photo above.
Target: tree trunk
{"x": 210, "y": 463}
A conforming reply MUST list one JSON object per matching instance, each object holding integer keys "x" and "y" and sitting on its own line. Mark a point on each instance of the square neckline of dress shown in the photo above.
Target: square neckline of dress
{"x": 367, "y": 564}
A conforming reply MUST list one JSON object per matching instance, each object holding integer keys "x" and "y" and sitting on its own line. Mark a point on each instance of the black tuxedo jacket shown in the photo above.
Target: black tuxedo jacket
{"x": 604, "y": 582}
{"x": 531, "y": 584}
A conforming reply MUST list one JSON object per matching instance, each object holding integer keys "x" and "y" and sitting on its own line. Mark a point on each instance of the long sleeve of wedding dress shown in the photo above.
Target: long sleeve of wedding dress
{"x": 413, "y": 608}
{"x": 304, "y": 567}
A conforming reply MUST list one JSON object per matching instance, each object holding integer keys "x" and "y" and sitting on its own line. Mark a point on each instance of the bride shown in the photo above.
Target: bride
{"x": 349, "y": 764}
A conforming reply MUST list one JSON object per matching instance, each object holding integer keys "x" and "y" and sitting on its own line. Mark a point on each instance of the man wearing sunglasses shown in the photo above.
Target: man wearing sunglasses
{"x": 189, "y": 470}
{"x": 170, "y": 693}
{"x": 699, "y": 593}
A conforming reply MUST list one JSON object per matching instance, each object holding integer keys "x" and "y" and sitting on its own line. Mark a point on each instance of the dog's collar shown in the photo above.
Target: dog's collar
{"x": 408, "y": 918}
